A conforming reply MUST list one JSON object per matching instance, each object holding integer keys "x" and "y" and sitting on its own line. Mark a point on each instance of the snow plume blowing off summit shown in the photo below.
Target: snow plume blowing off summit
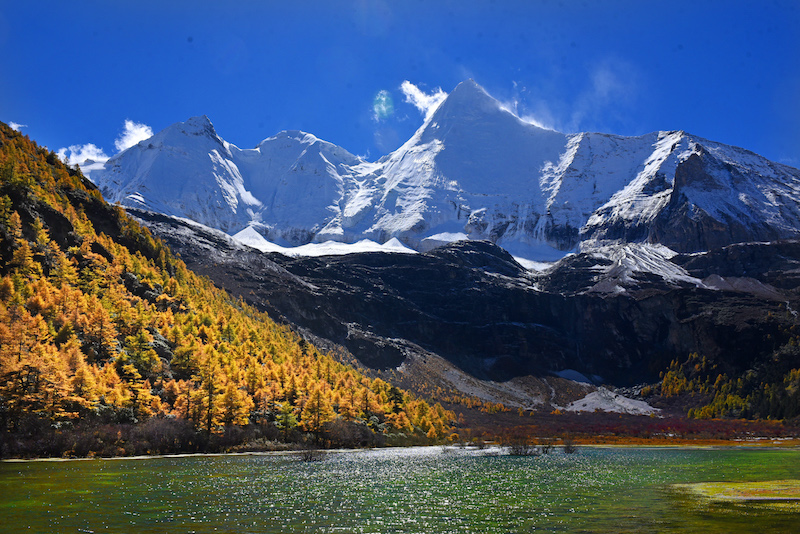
{"x": 473, "y": 170}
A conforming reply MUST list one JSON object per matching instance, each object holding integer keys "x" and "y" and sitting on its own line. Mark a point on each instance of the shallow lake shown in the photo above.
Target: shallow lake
{"x": 416, "y": 490}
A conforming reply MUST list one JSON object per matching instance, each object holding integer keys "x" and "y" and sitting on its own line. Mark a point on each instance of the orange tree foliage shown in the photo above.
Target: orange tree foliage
{"x": 98, "y": 317}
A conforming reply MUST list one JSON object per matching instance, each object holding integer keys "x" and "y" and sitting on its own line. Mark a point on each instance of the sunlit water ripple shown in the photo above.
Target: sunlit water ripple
{"x": 416, "y": 490}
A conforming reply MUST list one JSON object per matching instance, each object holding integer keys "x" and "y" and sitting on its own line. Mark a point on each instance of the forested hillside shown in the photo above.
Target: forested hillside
{"x": 109, "y": 345}
{"x": 769, "y": 389}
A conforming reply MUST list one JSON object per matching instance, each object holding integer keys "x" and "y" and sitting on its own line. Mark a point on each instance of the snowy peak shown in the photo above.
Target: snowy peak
{"x": 291, "y": 137}
{"x": 186, "y": 134}
{"x": 692, "y": 194}
{"x": 481, "y": 148}
{"x": 469, "y": 108}
{"x": 305, "y": 145}
{"x": 285, "y": 188}
{"x": 467, "y": 100}
{"x": 200, "y": 125}
{"x": 473, "y": 170}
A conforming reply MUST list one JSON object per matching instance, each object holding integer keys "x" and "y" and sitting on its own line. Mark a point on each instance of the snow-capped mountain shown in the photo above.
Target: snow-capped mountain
{"x": 187, "y": 170}
{"x": 472, "y": 171}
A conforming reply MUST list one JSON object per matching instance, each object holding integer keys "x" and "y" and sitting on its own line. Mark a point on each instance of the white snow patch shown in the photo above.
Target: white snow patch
{"x": 534, "y": 256}
{"x": 443, "y": 238}
{"x": 605, "y": 400}
{"x": 250, "y": 237}
{"x": 89, "y": 166}
{"x": 137, "y": 197}
{"x": 534, "y": 265}
{"x": 394, "y": 245}
{"x": 336, "y": 248}
{"x": 631, "y": 258}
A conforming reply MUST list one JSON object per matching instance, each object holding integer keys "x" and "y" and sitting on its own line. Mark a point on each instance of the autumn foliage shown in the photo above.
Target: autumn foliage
{"x": 769, "y": 389}
{"x": 99, "y": 320}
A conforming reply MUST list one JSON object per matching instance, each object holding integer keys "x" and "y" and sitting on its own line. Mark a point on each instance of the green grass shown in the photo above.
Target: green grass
{"x": 783, "y": 495}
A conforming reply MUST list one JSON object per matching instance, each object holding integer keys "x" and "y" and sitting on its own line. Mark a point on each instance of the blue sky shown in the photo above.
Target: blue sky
{"x": 74, "y": 72}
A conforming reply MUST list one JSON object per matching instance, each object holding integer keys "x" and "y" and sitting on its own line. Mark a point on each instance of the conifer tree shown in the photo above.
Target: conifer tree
{"x": 286, "y": 421}
{"x": 316, "y": 412}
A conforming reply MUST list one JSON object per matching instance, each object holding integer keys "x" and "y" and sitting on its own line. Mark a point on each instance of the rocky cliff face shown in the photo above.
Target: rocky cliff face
{"x": 471, "y": 306}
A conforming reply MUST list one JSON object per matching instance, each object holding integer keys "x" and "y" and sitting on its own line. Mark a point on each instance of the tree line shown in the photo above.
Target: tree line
{"x": 99, "y": 321}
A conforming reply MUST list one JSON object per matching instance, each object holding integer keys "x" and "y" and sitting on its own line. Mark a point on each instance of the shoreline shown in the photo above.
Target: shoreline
{"x": 767, "y": 443}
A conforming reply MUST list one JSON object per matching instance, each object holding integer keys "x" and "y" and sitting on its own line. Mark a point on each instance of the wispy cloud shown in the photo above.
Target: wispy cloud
{"x": 613, "y": 84}
{"x": 16, "y": 126}
{"x": 536, "y": 113}
{"x": 541, "y": 117}
{"x": 79, "y": 154}
{"x": 609, "y": 91}
{"x": 132, "y": 133}
{"x": 537, "y": 120}
{"x": 425, "y": 103}
{"x": 382, "y": 106}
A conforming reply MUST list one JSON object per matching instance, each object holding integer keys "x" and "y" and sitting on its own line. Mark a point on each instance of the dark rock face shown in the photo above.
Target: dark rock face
{"x": 776, "y": 263}
{"x": 684, "y": 226}
{"x": 473, "y": 305}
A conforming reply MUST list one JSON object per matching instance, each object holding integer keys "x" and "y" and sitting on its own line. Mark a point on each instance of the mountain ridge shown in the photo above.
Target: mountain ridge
{"x": 473, "y": 170}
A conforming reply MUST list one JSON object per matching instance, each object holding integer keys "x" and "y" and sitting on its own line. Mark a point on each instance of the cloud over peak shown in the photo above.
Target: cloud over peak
{"x": 80, "y": 154}
{"x": 132, "y": 133}
{"x": 425, "y": 103}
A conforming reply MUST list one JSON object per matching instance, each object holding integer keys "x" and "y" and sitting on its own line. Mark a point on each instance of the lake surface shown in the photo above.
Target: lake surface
{"x": 417, "y": 490}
